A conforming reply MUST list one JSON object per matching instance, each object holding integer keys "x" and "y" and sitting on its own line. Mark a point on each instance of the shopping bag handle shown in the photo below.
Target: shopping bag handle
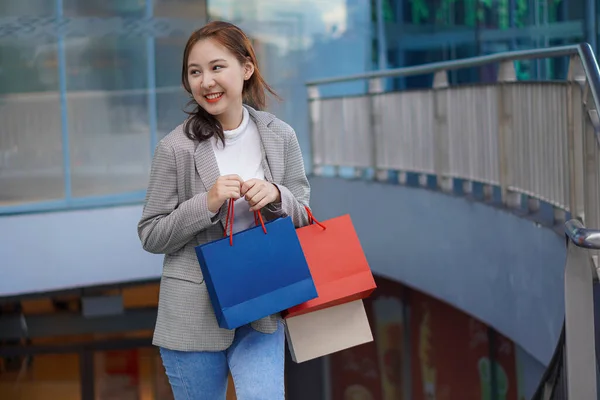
{"x": 312, "y": 219}
{"x": 258, "y": 219}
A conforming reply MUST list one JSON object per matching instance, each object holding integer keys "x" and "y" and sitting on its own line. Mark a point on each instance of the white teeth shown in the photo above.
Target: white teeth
{"x": 213, "y": 96}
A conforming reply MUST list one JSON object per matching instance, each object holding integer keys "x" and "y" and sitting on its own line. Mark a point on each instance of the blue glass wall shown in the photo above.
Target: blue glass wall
{"x": 87, "y": 87}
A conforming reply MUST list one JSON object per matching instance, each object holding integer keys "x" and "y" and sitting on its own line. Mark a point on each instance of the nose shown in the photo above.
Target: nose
{"x": 207, "y": 81}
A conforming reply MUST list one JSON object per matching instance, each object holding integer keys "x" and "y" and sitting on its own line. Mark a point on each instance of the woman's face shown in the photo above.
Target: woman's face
{"x": 216, "y": 79}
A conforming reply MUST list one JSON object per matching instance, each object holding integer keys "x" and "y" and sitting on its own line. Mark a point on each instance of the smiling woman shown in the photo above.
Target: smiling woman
{"x": 227, "y": 151}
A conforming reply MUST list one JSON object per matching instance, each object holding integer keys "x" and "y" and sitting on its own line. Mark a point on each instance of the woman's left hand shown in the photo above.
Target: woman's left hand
{"x": 259, "y": 193}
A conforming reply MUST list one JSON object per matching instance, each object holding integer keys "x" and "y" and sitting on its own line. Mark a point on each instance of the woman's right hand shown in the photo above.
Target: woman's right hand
{"x": 225, "y": 188}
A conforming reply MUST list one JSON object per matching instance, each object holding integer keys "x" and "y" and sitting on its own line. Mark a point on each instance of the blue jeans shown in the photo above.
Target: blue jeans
{"x": 256, "y": 361}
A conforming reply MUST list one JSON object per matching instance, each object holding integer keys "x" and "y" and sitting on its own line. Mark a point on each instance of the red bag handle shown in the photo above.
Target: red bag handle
{"x": 229, "y": 225}
{"x": 312, "y": 219}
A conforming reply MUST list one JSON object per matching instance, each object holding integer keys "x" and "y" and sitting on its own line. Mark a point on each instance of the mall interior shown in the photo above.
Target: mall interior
{"x": 458, "y": 166}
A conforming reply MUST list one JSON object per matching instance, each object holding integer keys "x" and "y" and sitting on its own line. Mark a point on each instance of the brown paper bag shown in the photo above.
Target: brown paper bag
{"x": 327, "y": 331}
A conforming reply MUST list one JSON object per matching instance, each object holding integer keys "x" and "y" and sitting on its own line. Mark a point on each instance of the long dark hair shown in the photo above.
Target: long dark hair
{"x": 201, "y": 125}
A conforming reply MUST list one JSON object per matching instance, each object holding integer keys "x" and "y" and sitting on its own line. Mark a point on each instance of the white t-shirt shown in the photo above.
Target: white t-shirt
{"x": 241, "y": 155}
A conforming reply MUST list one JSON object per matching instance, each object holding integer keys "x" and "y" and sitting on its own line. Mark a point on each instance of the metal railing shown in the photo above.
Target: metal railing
{"x": 534, "y": 140}
{"x": 572, "y": 370}
{"x": 580, "y": 273}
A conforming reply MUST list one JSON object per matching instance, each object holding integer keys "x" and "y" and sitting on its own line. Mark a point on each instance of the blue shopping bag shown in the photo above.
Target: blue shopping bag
{"x": 255, "y": 273}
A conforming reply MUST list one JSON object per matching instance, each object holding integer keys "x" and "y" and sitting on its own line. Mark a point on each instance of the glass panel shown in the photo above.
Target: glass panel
{"x": 104, "y": 8}
{"x": 170, "y": 103}
{"x": 30, "y": 138}
{"x": 168, "y": 57}
{"x": 28, "y": 66}
{"x": 47, "y": 376}
{"x": 108, "y": 115}
{"x": 171, "y": 98}
{"x": 110, "y": 142}
{"x": 420, "y": 31}
{"x": 534, "y": 69}
{"x": 13, "y": 8}
{"x": 192, "y": 9}
{"x": 110, "y": 63}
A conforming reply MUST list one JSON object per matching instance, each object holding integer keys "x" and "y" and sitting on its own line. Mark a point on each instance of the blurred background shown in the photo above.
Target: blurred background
{"x": 459, "y": 165}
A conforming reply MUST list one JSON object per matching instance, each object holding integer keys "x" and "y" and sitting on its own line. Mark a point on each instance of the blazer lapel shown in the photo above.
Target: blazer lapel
{"x": 272, "y": 147}
{"x": 265, "y": 164}
{"x": 206, "y": 164}
{"x": 208, "y": 170}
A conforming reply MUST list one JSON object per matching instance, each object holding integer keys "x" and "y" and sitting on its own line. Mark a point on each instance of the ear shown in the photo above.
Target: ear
{"x": 248, "y": 70}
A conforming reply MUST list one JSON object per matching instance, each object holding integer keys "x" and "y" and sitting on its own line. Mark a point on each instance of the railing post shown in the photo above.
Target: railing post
{"x": 579, "y": 321}
{"x": 375, "y": 88}
{"x": 590, "y": 168}
{"x": 441, "y": 140}
{"x": 314, "y": 109}
{"x": 506, "y": 74}
{"x": 575, "y": 134}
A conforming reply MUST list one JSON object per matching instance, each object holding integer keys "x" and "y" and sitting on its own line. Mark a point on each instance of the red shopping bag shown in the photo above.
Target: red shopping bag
{"x": 337, "y": 264}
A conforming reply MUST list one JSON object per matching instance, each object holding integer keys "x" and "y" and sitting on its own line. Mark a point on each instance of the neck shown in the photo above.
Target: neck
{"x": 233, "y": 119}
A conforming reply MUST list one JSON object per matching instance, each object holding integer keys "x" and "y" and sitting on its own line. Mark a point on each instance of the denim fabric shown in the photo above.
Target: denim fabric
{"x": 255, "y": 359}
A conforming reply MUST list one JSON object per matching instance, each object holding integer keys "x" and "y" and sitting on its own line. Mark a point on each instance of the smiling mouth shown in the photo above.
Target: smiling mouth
{"x": 213, "y": 97}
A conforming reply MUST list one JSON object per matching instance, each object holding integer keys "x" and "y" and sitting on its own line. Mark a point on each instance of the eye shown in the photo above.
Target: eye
{"x": 218, "y": 67}
{"x": 194, "y": 72}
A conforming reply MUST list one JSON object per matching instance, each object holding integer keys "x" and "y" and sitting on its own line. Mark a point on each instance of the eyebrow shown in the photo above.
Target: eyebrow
{"x": 212, "y": 62}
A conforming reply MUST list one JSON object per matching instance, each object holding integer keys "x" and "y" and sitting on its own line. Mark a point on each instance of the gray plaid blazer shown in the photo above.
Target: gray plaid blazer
{"x": 175, "y": 219}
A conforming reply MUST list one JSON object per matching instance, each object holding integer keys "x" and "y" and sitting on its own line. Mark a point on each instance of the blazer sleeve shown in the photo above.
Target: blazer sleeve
{"x": 167, "y": 225}
{"x": 294, "y": 189}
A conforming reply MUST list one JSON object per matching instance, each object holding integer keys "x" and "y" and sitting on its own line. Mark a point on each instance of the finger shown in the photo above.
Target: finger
{"x": 232, "y": 184}
{"x": 257, "y": 198}
{"x": 248, "y": 185}
{"x": 260, "y": 204}
{"x": 238, "y": 180}
{"x": 252, "y": 192}
{"x": 233, "y": 177}
{"x": 234, "y": 194}
{"x": 229, "y": 183}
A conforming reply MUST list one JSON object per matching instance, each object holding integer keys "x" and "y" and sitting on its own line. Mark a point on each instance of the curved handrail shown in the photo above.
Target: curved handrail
{"x": 583, "y": 50}
{"x": 582, "y": 236}
{"x": 470, "y": 62}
